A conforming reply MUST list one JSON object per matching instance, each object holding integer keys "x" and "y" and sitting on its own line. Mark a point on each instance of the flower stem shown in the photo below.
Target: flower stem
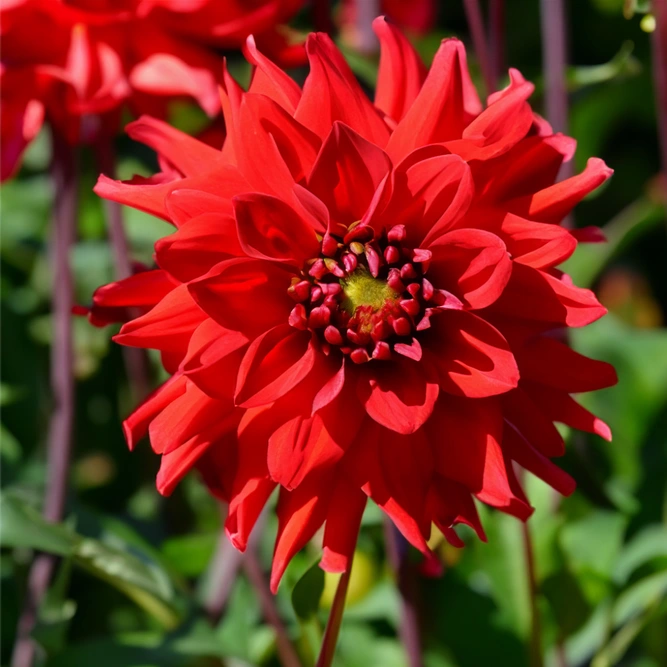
{"x": 497, "y": 40}
{"x": 397, "y": 553}
{"x": 335, "y": 619}
{"x": 477, "y": 32}
{"x": 136, "y": 359}
{"x": 659, "y": 45}
{"x": 59, "y": 442}
{"x": 221, "y": 577}
{"x": 535, "y": 647}
{"x": 253, "y": 569}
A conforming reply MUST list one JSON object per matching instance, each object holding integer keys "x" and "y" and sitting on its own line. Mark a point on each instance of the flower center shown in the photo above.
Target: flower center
{"x": 366, "y": 294}
{"x": 363, "y": 291}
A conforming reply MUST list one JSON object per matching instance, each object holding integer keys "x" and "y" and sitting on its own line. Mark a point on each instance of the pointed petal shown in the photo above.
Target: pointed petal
{"x": 446, "y": 104}
{"x": 248, "y": 295}
{"x": 274, "y": 363}
{"x": 332, "y": 93}
{"x": 346, "y": 174}
{"x": 270, "y": 229}
{"x": 472, "y": 264}
{"x": 400, "y": 396}
{"x": 472, "y": 358}
{"x": 401, "y": 72}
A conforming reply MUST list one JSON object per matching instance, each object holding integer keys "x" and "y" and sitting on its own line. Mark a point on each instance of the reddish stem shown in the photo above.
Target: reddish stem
{"x": 497, "y": 40}
{"x": 659, "y": 45}
{"x": 59, "y": 442}
{"x": 335, "y": 619}
{"x": 136, "y": 359}
{"x": 397, "y": 553}
{"x": 554, "y": 50}
{"x": 222, "y": 575}
{"x": 253, "y": 569}
{"x": 478, "y": 34}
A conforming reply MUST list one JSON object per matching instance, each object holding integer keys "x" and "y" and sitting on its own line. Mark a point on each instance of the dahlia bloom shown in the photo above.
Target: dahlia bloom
{"x": 79, "y": 63}
{"x": 360, "y": 300}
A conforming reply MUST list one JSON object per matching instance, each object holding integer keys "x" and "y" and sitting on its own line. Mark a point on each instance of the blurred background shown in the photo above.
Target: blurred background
{"x": 141, "y": 594}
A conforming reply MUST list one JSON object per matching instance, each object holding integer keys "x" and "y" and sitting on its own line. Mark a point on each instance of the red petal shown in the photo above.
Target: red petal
{"x": 332, "y": 93}
{"x": 191, "y": 414}
{"x": 395, "y": 472}
{"x": 401, "y": 73}
{"x": 472, "y": 264}
{"x": 166, "y": 327}
{"x": 499, "y": 127}
{"x": 346, "y": 174}
{"x": 399, "y": 395}
{"x": 561, "y": 407}
{"x": 210, "y": 362}
{"x": 468, "y": 434}
{"x": 248, "y": 295}
{"x": 268, "y": 228}
{"x": 533, "y": 424}
{"x": 555, "y": 202}
{"x": 266, "y": 123}
{"x": 346, "y": 508}
{"x": 450, "y": 503}
{"x": 198, "y": 246}
{"x": 274, "y": 363}
{"x": 183, "y": 205}
{"x": 532, "y": 460}
{"x": 536, "y": 295}
{"x": 268, "y": 79}
{"x": 547, "y": 361}
{"x": 429, "y": 195}
{"x": 300, "y": 513}
{"x": 445, "y": 105}
{"x": 190, "y": 156}
{"x": 535, "y": 244}
{"x": 136, "y": 425}
{"x": 472, "y": 358}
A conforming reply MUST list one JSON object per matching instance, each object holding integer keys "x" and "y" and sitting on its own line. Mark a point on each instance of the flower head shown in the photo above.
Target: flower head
{"x": 360, "y": 299}
{"x": 78, "y": 63}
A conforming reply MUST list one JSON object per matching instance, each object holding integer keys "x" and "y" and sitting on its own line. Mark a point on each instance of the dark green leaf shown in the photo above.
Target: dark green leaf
{"x": 307, "y": 592}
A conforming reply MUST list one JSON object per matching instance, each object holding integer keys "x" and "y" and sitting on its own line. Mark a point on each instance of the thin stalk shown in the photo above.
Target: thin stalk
{"x": 554, "y": 57}
{"x": 478, "y": 33}
{"x": 335, "y": 619}
{"x": 365, "y": 13}
{"x": 221, "y": 576}
{"x": 497, "y": 40}
{"x": 59, "y": 442}
{"x": 659, "y": 46}
{"x": 136, "y": 359}
{"x": 223, "y": 572}
{"x": 535, "y": 647}
{"x": 397, "y": 553}
{"x": 253, "y": 569}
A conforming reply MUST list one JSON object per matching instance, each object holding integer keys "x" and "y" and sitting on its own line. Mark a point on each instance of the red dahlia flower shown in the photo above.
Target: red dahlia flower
{"x": 360, "y": 300}
{"x": 79, "y": 62}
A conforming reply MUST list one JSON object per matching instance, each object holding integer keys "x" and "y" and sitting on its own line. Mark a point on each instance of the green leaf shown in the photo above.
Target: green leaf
{"x": 640, "y": 597}
{"x": 567, "y": 601}
{"x": 307, "y": 592}
{"x": 141, "y": 580}
{"x": 593, "y": 542}
{"x": 189, "y": 554}
{"x": 649, "y": 544}
{"x": 23, "y": 526}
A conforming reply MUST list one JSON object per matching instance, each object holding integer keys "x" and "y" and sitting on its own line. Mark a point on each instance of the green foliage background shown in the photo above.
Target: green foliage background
{"x": 133, "y": 575}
